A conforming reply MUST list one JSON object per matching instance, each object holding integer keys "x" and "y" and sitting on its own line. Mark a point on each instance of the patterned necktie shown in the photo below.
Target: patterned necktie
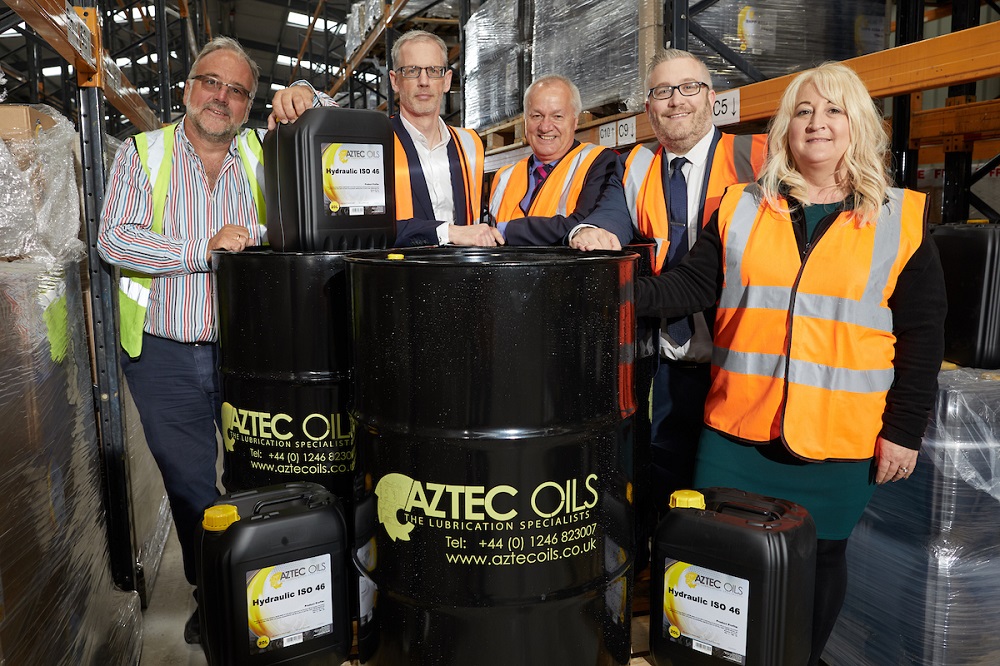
{"x": 677, "y": 199}
{"x": 541, "y": 172}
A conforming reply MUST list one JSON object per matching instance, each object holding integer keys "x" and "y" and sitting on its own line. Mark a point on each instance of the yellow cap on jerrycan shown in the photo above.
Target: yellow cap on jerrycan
{"x": 218, "y": 518}
{"x": 687, "y": 499}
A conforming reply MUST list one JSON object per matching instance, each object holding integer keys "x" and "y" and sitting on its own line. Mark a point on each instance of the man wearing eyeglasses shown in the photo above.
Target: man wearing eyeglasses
{"x": 174, "y": 195}
{"x": 543, "y": 198}
{"x": 439, "y": 169}
{"x": 672, "y": 189}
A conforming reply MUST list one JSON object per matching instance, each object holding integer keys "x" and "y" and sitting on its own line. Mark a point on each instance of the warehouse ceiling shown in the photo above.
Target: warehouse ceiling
{"x": 273, "y": 31}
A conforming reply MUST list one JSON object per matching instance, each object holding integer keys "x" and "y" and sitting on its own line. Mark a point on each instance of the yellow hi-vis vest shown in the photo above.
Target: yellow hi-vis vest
{"x": 736, "y": 159}
{"x": 557, "y": 195}
{"x": 156, "y": 153}
{"x": 804, "y": 348}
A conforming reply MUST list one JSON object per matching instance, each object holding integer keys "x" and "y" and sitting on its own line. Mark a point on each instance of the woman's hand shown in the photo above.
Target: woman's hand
{"x": 895, "y": 462}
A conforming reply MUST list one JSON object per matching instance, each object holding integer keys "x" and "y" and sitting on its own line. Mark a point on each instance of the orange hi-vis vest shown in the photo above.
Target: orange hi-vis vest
{"x": 465, "y": 158}
{"x": 558, "y": 193}
{"x": 734, "y": 159}
{"x": 804, "y": 348}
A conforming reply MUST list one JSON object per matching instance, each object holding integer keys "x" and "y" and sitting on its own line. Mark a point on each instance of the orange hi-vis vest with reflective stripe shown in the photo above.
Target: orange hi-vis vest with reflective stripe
{"x": 734, "y": 159}
{"x": 558, "y": 193}
{"x": 804, "y": 348}
{"x": 465, "y": 159}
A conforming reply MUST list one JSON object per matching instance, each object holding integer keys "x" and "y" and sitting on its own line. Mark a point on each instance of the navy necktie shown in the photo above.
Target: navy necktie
{"x": 677, "y": 200}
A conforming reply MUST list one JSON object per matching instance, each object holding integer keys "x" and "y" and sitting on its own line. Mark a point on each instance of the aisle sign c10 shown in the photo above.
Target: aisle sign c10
{"x": 726, "y": 110}
{"x": 619, "y": 133}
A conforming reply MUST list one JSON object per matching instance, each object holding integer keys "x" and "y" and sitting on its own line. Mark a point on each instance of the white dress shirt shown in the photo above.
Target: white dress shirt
{"x": 699, "y": 348}
{"x": 437, "y": 173}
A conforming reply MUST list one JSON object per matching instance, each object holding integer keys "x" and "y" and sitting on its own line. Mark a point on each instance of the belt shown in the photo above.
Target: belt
{"x": 178, "y": 342}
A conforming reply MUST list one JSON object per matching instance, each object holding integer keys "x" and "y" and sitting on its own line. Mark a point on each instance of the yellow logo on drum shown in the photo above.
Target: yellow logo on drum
{"x": 276, "y": 580}
{"x": 675, "y": 632}
{"x": 334, "y": 206}
{"x": 263, "y": 642}
{"x": 392, "y": 491}
{"x": 229, "y": 431}
{"x": 344, "y": 157}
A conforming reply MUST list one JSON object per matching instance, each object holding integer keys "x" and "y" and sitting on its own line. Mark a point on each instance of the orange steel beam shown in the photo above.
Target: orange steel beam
{"x": 959, "y": 57}
{"x": 388, "y": 18}
{"x": 53, "y": 23}
{"x": 305, "y": 41}
{"x": 979, "y": 120}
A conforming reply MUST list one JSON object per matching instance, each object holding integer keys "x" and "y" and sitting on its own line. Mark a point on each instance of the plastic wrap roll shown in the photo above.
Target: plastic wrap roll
{"x": 926, "y": 549}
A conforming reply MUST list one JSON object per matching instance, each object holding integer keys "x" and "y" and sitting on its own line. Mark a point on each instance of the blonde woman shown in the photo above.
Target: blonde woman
{"x": 829, "y": 327}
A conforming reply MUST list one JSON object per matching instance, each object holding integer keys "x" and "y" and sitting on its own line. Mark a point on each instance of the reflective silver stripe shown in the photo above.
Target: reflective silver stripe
{"x": 868, "y": 311}
{"x": 574, "y": 166}
{"x": 135, "y": 291}
{"x": 737, "y": 235}
{"x": 742, "y": 151}
{"x": 635, "y": 177}
{"x": 839, "y": 379}
{"x": 154, "y": 150}
{"x": 468, "y": 145}
{"x": 746, "y": 363}
{"x": 862, "y": 313}
{"x": 502, "y": 178}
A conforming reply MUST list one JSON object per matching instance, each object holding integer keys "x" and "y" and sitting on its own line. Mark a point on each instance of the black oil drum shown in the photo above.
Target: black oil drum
{"x": 285, "y": 366}
{"x": 493, "y": 396}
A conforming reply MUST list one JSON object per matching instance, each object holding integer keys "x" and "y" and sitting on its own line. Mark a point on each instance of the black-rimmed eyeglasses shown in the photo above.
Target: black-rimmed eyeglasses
{"x": 688, "y": 89}
{"x": 214, "y": 85}
{"x": 413, "y": 71}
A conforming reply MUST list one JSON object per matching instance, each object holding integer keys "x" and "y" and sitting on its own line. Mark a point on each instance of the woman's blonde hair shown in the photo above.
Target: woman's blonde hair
{"x": 865, "y": 163}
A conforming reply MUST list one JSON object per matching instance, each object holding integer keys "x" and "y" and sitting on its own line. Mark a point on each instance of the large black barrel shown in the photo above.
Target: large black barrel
{"x": 285, "y": 366}
{"x": 493, "y": 394}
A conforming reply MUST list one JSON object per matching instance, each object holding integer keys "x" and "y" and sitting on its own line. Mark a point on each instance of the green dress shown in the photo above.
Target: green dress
{"x": 834, "y": 493}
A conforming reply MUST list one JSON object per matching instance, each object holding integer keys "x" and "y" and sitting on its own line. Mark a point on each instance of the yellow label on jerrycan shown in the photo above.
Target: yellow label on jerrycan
{"x": 272, "y": 578}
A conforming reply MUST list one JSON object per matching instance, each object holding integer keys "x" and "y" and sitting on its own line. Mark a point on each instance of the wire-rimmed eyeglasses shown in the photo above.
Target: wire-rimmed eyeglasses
{"x": 214, "y": 85}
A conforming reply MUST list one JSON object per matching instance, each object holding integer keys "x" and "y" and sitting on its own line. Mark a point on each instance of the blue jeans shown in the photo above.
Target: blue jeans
{"x": 679, "y": 392}
{"x": 176, "y": 391}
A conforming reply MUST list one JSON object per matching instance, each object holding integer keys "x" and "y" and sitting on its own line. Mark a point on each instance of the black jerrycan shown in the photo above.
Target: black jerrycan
{"x": 732, "y": 581}
{"x": 330, "y": 182}
{"x": 272, "y": 578}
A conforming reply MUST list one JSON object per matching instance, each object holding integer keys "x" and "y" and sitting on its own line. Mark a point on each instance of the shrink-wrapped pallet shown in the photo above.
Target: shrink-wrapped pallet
{"x": 777, "y": 37}
{"x": 494, "y": 64}
{"x": 924, "y": 561}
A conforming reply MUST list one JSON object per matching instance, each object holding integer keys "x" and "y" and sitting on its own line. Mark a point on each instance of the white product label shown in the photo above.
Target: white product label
{"x": 289, "y": 603}
{"x": 726, "y": 110}
{"x": 353, "y": 182}
{"x": 706, "y": 610}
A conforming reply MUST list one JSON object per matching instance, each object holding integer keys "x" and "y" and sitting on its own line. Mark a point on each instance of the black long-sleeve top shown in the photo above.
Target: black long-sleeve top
{"x": 918, "y": 306}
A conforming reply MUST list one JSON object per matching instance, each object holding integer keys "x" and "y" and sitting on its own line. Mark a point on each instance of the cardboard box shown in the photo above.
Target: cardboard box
{"x": 20, "y": 121}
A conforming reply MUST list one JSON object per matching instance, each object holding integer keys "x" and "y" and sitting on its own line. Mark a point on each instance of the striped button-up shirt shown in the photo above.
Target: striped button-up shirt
{"x": 182, "y": 296}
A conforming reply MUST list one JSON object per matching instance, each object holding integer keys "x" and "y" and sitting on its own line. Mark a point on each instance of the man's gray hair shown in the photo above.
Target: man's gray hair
{"x": 574, "y": 92}
{"x": 415, "y": 35}
{"x": 228, "y": 44}
{"x": 674, "y": 54}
